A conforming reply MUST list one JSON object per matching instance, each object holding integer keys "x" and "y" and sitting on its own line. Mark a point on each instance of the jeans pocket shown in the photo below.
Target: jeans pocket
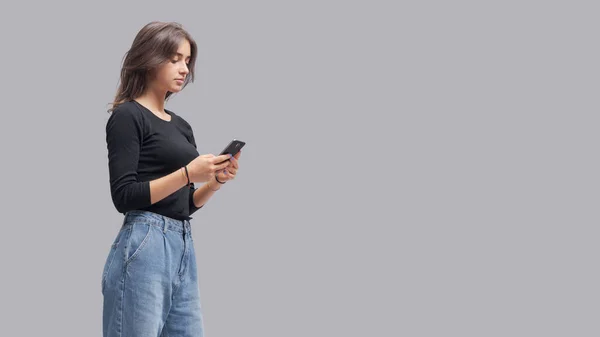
{"x": 139, "y": 235}
{"x": 110, "y": 258}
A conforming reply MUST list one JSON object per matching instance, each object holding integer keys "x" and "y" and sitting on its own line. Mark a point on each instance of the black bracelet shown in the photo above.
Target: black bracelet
{"x": 217, "y": 179}
{"x": 187, "y": 175}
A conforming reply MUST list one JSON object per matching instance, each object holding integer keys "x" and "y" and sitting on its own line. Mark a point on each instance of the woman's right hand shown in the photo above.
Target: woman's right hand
{"x": 204, "y": 167}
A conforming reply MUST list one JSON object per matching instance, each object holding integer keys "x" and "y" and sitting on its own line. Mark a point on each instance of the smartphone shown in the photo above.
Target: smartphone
{"x": 233, "y": 148}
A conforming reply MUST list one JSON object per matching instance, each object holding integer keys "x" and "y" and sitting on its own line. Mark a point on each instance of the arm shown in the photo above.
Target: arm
{"x": 202, "y": 194}
{"x": 163, "y": 187}
{"x": 199, "y": 196}
{"x": 124, "y": 132}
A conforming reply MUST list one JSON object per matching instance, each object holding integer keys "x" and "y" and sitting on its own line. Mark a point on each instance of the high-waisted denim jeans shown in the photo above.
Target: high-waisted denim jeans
{"x": 150, "y": 281}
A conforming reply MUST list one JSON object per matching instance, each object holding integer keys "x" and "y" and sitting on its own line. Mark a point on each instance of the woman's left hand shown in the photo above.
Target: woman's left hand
{"x": 231, "y": 170}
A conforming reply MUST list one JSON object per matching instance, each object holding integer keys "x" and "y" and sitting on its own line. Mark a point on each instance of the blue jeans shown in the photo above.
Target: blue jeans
{"x": 150, "y": 281}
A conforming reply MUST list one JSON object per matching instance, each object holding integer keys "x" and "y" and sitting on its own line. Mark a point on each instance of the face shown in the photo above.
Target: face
{"x": 170, "y": 76}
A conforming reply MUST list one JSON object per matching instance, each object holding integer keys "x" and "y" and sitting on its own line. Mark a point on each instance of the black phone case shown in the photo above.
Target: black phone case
{"x": 233, "y": 148}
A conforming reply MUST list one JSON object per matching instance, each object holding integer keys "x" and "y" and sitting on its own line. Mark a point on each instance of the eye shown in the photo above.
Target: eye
{"x": 174, "y": 61}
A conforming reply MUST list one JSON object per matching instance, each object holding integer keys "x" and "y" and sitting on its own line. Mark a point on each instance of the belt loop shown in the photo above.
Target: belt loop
{"x": 186, "y": 223}
{"x": 165, "y": 223}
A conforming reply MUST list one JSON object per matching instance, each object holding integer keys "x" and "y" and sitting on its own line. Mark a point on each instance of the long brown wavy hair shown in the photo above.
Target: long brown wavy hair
{"x": 154, "y": 44}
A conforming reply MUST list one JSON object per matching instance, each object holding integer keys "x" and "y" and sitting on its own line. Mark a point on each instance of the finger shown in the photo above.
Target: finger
{"x": 234, "y": 162}
{"x": 237, "y": 155}
{"x": 221, "y": 158}
{"x": 228, "y": 175}
{"x": 222, "y": 166}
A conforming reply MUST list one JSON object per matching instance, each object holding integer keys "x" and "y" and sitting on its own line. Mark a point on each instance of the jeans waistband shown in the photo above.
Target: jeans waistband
{"x": 165, "y": 222}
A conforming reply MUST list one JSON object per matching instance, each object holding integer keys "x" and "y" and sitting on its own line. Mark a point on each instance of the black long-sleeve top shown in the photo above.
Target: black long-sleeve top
{"x": 143, "y": 147}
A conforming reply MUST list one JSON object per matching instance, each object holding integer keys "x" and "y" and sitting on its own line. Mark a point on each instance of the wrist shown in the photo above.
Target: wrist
{"x": 183, "y": 178}
{"x": 210, "y": 186}
{"x": 218, "y": 181}
{"x": 185, "y": 175}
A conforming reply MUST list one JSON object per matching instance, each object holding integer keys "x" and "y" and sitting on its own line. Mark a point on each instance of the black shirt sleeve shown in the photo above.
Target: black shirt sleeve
{"x": 193, "y": 207}
{"x": 124, "y": 135}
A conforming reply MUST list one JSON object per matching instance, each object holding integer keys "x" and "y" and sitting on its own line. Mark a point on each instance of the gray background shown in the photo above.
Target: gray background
{"x": 411, "y": 169}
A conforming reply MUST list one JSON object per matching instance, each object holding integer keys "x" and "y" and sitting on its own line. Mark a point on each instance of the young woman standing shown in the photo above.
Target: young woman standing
{"x": 149, "y": 283}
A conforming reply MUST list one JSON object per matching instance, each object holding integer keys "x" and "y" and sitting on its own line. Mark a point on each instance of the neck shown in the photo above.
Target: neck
{"x": 154, "y": 100}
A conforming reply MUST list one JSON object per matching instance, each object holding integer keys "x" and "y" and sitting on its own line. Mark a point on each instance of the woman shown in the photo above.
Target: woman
{"x": 149, "y": 282}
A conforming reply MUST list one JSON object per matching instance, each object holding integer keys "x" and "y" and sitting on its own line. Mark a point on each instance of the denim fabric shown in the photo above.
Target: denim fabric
{"x": 150, "y": 281}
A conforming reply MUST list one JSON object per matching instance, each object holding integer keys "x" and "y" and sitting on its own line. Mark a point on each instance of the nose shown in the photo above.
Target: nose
{"x": 184, "y": 70}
